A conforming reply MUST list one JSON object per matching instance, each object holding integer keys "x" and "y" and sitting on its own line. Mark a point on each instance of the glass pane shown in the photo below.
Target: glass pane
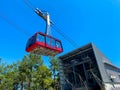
{"x": 30, "y": 41}
{"x": 58, "y": 45}
{"x": 40, "y": 38}
{"x": 48, "y": 41}
{"x": 53, "y": 42}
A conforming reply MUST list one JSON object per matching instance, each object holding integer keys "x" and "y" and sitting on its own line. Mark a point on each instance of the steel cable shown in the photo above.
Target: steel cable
{"x": 18, "y": 28}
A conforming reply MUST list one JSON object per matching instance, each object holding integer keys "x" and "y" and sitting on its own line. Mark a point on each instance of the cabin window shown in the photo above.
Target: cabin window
{"x": 30, "y": 41}
{"x": 40, "y": 38}
{"x": 119, "y": 76}
{"x": 58, "y": 45}
{"x": 48, "y": 42}
{"x": 53, "y": 42}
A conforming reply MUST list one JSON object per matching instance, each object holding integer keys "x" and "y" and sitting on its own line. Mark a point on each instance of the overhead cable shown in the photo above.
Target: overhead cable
{"x": 72, "y": 42}
{"x": 14, "y": 25}
{"x": 29, "y": 4}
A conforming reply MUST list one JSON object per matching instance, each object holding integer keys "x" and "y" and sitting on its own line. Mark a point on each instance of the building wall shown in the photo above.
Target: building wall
{"x": 107, "y": 69}
{"x": 113, "y": 73}
{"x": 100, "y": 57}
{"x": 97, "y": 62}
{"x": 109, "y": 86}
{"x": 82, "y": 62}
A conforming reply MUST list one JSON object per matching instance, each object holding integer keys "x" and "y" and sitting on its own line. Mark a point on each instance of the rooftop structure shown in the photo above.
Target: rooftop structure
{"x": 86, "y": 68}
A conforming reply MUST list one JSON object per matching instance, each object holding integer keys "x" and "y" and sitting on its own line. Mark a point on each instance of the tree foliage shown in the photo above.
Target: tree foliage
{"x": 54, "y": 67}
{"x": 30, "y": 73}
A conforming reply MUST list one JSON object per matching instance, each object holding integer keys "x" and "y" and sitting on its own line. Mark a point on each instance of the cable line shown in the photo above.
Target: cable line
{"x": 29, "y": 4}
{"x": 73, "y": 43}
{"x": 14, "y": 25}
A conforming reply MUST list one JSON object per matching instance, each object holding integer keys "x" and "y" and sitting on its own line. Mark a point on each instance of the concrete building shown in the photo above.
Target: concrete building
{"x": 86, "y": 68}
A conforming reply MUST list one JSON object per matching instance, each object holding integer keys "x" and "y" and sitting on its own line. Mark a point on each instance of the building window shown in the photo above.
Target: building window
{"x": 112, "y": 77}
{"x": 119, "y": 76}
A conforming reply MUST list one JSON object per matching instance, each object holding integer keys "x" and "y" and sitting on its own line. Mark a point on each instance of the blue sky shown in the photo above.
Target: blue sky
{"x": 84, "y": 21}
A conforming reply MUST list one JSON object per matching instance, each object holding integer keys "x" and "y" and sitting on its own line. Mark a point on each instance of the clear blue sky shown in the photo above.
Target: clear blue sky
{"x": 84, "y": 21}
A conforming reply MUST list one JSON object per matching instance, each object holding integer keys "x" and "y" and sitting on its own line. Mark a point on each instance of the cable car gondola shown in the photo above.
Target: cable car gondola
{"x": 43, "y": 44}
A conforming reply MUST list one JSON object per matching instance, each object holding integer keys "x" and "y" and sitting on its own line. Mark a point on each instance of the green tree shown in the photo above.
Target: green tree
{"x": 43, "y": 78}
{"x": 30, "y": 70}
{"x": 27, "y": 67}
{"x": 54, "y": 67}
{"x": 2, "y": 77}
{"x": 8, "y": 77}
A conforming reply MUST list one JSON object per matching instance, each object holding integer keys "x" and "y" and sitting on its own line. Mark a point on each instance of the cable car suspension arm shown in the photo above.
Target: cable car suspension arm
{"x": 43, "y": 15}
{"x": 46, "y": 17}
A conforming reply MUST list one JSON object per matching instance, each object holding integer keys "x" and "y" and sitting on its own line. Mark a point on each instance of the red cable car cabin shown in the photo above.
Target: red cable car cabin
{"x": 43, "y": 44}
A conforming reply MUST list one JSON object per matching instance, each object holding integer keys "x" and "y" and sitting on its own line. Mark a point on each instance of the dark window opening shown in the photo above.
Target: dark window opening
{"x": 31, "y": 41}
{"x": 119, "y": 76}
